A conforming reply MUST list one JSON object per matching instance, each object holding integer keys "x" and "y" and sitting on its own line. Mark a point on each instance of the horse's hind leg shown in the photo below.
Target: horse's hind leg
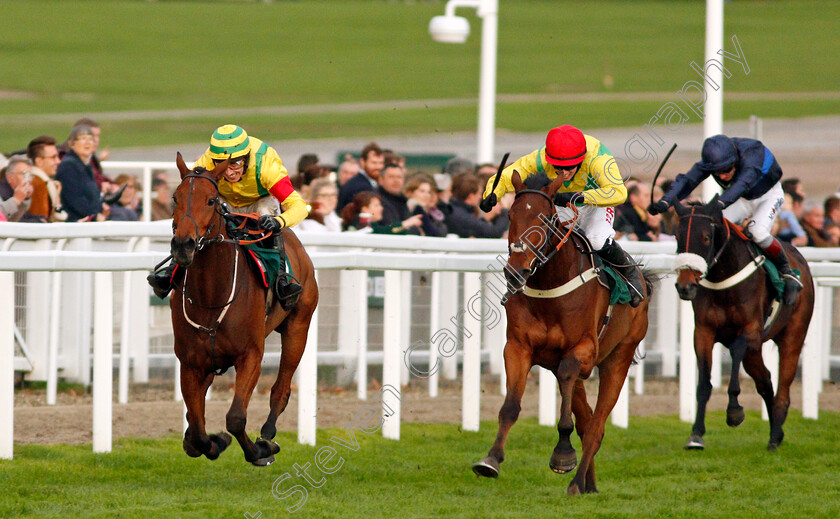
{"x": 704, "y": 342}
{"x": 564, "y": 458}
{"x": 194, "y": 384}
{"x": 293, "y": 335}
{"x": 612, "y": 372}
{"x": 517, "y": 365}
{"x": 247, "y": 375}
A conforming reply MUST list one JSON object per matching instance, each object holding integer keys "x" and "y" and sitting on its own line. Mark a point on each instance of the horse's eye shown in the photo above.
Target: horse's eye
{"x": 212, "y": 201}
{"x": 707, "y": 238}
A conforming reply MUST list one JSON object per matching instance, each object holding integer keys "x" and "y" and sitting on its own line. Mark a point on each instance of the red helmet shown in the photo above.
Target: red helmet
{"x": 565, "y": 146}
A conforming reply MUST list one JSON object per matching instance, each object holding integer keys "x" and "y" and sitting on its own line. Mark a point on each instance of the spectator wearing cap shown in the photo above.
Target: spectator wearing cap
{"x": 464, "y": 220}
{"x": 80, "y": 195}
{"x": 371, "y": 162}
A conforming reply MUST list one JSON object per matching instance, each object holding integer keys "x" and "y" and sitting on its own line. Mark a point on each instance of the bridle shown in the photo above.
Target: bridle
{"x": 549, "y": 228}
{"x": 218, "y": 207}
{"x": 715, "y": 227}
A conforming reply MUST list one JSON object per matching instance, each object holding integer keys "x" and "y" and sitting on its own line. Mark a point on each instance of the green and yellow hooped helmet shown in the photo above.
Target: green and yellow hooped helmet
{"x": 229, "y": 141}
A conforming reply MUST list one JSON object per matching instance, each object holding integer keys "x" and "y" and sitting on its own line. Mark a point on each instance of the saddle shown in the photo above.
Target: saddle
{"x": 607, "y": 276}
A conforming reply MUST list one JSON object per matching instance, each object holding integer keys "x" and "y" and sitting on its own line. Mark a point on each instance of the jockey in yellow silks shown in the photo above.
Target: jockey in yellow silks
{"x": 592, "y": 182}
{"x": 255, "y": 182}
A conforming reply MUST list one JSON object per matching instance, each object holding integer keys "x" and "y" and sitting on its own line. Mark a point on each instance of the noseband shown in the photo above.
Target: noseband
{"x": 203, "y": 241}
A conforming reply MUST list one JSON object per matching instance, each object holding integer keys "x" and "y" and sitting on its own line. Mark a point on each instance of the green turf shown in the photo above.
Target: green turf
{"x": 94, "y": 56}
{"x": 642, "y": 472}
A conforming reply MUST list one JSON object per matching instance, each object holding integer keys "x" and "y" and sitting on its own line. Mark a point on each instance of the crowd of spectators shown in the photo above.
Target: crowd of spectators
{"x": 52, "y": 182}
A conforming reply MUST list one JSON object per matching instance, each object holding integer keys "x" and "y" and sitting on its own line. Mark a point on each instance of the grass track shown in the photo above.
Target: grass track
{"x": 642, "y": 472}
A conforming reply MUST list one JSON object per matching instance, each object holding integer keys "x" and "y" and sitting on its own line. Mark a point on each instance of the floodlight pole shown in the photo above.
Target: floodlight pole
{"x": 488, "y": 11}
{"x": 713, "y": 107}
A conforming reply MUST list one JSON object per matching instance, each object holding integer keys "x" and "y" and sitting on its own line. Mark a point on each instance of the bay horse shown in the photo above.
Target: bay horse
{"x": 220, "y": 317}
{"x": 567, "y": 334}
{"x": 719, "y": 272}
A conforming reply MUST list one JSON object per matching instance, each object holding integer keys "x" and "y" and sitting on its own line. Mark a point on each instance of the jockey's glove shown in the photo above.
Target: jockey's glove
{"x": 658, "y": 207}
{"x": 270, "y": 223}
{"x": 487, "y": 204}
{"x": 564, "y": 199}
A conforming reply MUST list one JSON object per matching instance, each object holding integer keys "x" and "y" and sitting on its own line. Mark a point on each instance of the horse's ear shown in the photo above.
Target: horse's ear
{"x": 219, "y": 170}
{"x": 516, "y": 181}
{"x": 554, "y": 186}
{"x": 679, "y": 208}
{"x": 182, "y": 166}
{"x": 714, "y": 206}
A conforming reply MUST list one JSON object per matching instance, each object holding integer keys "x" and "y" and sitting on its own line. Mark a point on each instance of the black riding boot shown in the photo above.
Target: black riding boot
{"x": 617, "y": 258}
{"x": 792, "y": 283}
{"x": 162, "y": 280}
{"x": 286, "y": 287}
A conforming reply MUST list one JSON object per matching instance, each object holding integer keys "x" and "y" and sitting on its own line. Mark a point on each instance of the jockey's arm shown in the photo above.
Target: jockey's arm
{"x": 293, "y": 205}
{"x": 611, "y": 191}
{"x": 526, "y": 166}
{"x": 684, "y": 184}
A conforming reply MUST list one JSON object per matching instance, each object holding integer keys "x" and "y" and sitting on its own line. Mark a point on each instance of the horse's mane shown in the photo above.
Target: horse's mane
{"x": 198, "y": 170}
{"x": 537, "y": 181}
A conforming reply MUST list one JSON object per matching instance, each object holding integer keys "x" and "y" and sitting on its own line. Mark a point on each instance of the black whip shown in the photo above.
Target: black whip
{"x": 499, "y": 173}
{"x": 658, "y": 171}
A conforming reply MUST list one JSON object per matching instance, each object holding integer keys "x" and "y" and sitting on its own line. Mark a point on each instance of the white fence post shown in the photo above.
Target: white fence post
{"x": 548, "y": 397}
{"x": 620, "y": 415}
{"x": 140, "y": 319}
{"x": 471, "y": 392}
{"x": 392, "y": 349}
{"x": 449, "y": 311}
{"x": 37, "y": 310}
{"x": 7, "y": 364}
{"x": 307, "y": 380}
{"x": 405, "y": 330}
{"x": 667, "y": 312}
{"x": 770, "y": 353}
{"x": 688, "y": 364}
{"x": 55, "y": 323}
{"x": 103, "y": 361}
{"x": 435, "y": 323}
{"x": 812, "y": 361}
{"x": 639, "y": 370}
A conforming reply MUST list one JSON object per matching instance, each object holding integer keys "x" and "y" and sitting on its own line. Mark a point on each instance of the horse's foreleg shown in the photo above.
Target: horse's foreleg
{"x": 704, "y": 342}
{"x": 517, "y": 365}
{"x": 564, "y": 458}
{"x": 247, "y": 375}
{"x": 734, "y": 411}
{"x": 583, "y": 417}
{"x": 612, "y": 372}
{"x": 294, "y": 342}
{"x": 754, "y": 366}
{"x": 194, "y": 384}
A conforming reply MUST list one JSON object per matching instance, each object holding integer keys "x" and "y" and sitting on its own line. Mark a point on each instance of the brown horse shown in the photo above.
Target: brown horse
{"x": 562, "y": 333}
{"x": 711, "y": 260}
{"x": 220, "y": 319}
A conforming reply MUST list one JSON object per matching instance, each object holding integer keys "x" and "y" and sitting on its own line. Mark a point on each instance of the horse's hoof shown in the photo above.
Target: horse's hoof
{"x": 735, "y": 416}
{"x": 191, "y": 451}
{"x": 488, "y": 467}
{"x": 264, "y": 462}
{"x": 563, "y": 463}
{"x": 695, "y": 442}
{"x": 222, "y": 440}
{"x": 268, "y": 446}
{"x": 573, "y": 490}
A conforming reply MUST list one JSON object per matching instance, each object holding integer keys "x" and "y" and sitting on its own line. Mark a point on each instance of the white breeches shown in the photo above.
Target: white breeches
{"x": 762, "y": 212}
{"x": 596, "y": 223}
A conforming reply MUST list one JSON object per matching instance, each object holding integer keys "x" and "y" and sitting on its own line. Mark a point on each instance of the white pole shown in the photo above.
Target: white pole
{"x": 667, "y": 314}
{"x": 823, "y": 313}
{"x": 392, "y": 349}
{"x": 812, "y": 362}
{"x": 55, "y": 322}
{"x": 125, "y": 333}
{"x": 434, "y": 325}
{"x": 140, "y": 317}
{"x": 548, "y": 397}
{"x": 713, "y": 107}
{"x": 639, "y": 371}
{"x": 471, "y": 391}
{"x": 488, "y": 10}
{"x": 620, "y": 415}
{"x": 360, "y": 283}
{"x": 770, "y": 353}
{"x": 7, "y": 364}
{"x": 405, "y": 331}
{"x": 448, "y": 312}
{"x": 688, "y": 364}
{"x": 103, "y": 361}
{"x": 717, "y": 362}
{"x": 348, "y": 316}
{"x": 307, "y": 380}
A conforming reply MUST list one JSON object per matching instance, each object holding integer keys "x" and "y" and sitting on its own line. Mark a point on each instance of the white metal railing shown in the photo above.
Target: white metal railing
{"x": 74, "y": 249}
